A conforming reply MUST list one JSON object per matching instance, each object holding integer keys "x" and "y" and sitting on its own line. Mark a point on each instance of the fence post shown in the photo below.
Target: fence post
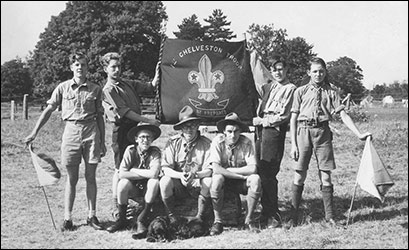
{"x": 25, "y": 107}
{"x": 12, "y": 110}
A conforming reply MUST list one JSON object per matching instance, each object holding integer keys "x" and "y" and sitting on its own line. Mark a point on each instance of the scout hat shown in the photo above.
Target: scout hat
{"x": 186, "y": 114}
{"x": 232, "y": 119}
{"x": 143, "y": 126}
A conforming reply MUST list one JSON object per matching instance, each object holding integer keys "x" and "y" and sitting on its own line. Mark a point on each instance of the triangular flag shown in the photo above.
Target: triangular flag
{"x": 46, "y": 168}
{"x": 260, "y": 72}
{"x": 372, "y": 174}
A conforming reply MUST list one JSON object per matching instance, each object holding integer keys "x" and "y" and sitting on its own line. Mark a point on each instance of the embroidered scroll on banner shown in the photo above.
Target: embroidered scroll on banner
{"x": 214, "y": 78}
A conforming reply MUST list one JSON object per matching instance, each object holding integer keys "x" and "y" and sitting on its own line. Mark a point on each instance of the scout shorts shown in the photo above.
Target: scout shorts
{"x": 317, "y": 141}
{"x": 80, "y": 140}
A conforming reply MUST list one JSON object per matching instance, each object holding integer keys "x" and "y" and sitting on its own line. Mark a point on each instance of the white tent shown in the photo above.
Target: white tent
{"x": 388, "y": 101}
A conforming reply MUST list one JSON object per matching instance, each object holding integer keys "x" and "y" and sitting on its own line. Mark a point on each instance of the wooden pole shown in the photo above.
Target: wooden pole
{"x": 12, "y": 110}
{"x": 48, "y": 205}
{"x": 25, "y": 107}
{"x": 158, "y": 69}
{"x": 352, "y": 202}
{"x": 348, "y": 100}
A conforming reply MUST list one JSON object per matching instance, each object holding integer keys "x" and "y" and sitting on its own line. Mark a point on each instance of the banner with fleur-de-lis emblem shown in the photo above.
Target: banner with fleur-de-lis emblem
{"x": 214, "y": 78}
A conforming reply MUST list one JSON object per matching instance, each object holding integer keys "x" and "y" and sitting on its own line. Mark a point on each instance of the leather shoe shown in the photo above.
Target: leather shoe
{"x": 118, "y": 226}
{"x": 141, "y": 231}
{"x": 93, "y": 222}
{"x": 67, "y": 226}
{"x": 217, "y": 228}
{"x": 274, "y": 221}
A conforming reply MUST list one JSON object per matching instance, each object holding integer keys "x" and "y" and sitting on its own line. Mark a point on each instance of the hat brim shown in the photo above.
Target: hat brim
{"x": 223, "y": 123}
{"x": 135, "y": 130}
{"x": 178, "y": 126}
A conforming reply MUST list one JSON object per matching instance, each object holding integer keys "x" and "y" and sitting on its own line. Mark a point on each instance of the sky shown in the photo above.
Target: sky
{"x": 372, "y": 33}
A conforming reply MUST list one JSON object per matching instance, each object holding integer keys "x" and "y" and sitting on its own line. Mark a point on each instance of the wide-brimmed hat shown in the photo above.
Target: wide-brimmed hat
{"x": 232, "y": 119}
{"x": 186, "y": 114}
{"x": 144, "y": 126}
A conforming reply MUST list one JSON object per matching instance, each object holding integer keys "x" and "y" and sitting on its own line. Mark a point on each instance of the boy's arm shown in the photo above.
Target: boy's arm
{"x": 294, "y": 153}
{"x": 346, "y": 119}
{"x": 44, "y": 117}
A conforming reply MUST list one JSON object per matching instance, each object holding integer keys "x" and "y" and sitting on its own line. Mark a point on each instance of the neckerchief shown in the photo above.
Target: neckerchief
{"x": 230, "y": 154}
{"x": 188, "y": 150}
{"x": 319, "y": 88}
{"x": 143, "y": 157}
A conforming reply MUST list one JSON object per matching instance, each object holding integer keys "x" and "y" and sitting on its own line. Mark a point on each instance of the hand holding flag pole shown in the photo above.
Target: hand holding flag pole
{"x": 47, "y": 173}
{"x": 372, "y": 175}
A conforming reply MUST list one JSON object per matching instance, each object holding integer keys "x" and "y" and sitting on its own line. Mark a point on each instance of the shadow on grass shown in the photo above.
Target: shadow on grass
{"x": 312, "y": 210}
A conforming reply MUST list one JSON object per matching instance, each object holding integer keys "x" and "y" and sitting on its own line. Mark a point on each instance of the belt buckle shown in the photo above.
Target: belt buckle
{"x": 313, "y": 123}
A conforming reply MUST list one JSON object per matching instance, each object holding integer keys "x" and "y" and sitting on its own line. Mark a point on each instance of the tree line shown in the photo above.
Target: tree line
{"x": 135, "y": 29}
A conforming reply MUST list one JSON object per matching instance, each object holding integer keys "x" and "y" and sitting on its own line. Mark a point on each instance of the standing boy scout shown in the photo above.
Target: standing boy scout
{"x": 272, "y": 123}
{"x": 84, "y": 134}
{"x": 313, "y": 107}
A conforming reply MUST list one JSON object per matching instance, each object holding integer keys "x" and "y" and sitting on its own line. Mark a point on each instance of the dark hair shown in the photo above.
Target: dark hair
{"x": 276, "y": 59}
{"x": 104, "y": 60}
{"x": 76, "y": 56}
{"x": 320, "y": 61}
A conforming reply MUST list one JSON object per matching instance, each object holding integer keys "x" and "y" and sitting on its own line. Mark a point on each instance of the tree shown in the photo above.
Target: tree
{"x": 298, "y": 54}
{"x": 131, "y": 28}
{"x": 215, "y": 31}
{"x": 15, "y": 79}
{"x": 378, "y": 91}
{"x": 190, "y": 29}
{"x": 268, "y": 41}
{"x": 347, "y": 75}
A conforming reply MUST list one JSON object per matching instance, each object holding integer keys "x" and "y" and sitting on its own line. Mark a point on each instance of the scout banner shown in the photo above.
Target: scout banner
{"x": 214, "y": 78}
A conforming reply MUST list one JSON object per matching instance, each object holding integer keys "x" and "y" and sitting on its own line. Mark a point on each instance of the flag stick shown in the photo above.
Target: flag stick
{"x": 157, "y": 89}
{"x": 352, "y": 202}
{"x": 48, "y": 205}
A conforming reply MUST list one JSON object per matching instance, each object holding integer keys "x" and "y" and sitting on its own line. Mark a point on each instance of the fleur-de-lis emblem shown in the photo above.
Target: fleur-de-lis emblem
{"x": 206, "y": 79}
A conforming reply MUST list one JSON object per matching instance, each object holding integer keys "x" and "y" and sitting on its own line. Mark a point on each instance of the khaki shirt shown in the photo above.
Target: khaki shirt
{"x": 305, "y": 103}
{"x": 243, "y": 153}
{"x": 176, "y": 153}
{"x": 134, "y": 159}
{"x": 78, "y": 102}
{"x": 277, "y": 103}
{"x": 120, "y": 97}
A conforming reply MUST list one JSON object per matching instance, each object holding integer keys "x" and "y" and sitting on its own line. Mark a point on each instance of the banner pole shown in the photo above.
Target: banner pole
{"x": 48, "y": 205}
{"x": 157, "y": 89}
{"x": 352, "y": 202}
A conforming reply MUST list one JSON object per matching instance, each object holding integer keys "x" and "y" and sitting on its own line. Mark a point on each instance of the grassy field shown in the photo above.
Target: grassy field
{"x": 26, "y": 222}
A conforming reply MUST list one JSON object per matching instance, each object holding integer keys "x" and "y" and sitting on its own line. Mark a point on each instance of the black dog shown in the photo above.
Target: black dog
{"x": 164, "y": 228}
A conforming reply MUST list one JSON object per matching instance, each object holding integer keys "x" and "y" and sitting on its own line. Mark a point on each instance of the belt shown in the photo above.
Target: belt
{"x": 81, "y": 121}
{"x": 313, "y": 123}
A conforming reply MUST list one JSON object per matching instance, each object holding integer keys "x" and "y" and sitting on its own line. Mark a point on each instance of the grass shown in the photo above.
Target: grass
{"x": 26, "y": 222}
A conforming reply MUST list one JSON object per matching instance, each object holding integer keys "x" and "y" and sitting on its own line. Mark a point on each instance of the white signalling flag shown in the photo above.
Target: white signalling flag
{"x": 372, "y": 174}
{"x": 46, "y": 168}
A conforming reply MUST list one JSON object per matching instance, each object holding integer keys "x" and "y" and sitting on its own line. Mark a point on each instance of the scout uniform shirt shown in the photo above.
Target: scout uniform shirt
{"x": 316, "y": 103}
{"x": 178, "y": 152}
{"x": 150, "y": 159}
{"x": 240, "y": 155}
{"x": 276, "y": 105}
{"x": 122, "y": 96}
{"x": 78, "y": 102}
